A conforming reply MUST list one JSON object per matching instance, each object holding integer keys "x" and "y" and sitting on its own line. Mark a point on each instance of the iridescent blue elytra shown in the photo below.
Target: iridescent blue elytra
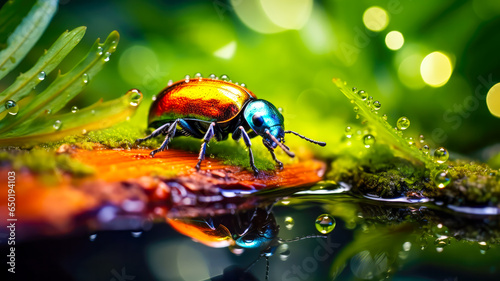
{"x": 207, "y": 108}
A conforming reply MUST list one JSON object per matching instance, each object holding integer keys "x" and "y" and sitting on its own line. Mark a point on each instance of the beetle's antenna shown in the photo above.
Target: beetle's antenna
{"x": 287, "y": 151}
{"x": 320, "y": 143}
{"x": 258, "y": 259}
{"x": 301, "y": 238}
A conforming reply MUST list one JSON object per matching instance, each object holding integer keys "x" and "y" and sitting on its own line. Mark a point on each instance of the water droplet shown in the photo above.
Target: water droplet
{"x": 406, "y": 246}
{"x": 41, "y": 76}
{"x": 135, "y": 97}
{"x": 85, "y": 78}
{"x": 439, "y": 249}
{"x": 384, "y": 117}
{"x": 212, "y": 76}
{"x": 153, "y": 97}
{"x": 425, "y": 149}
{"x": 136, "y": 234}
{"x": 442, "y": 179}
{"x": 92, "y": 112}
{"x": 354, "y": 90}
{"x": 211, "y": 156}
{"x": 284, "y": 255}
{"x": 11, "y": 107}
{"x": 199, "y": 76}
{"x": 368, "y": 140}
{"x": 410, "y": 141}
{"x": 57, "y": 125}
{"x": 74, "y": 109}
{"x": 99, "y": 50}
{"x": 483, "y": 246}
{"x": 92, "y": 237}
{"x": 358, "y": 116}
{"x": 403, "y": 123}
{"x": 325, "y": 223}
{"x": 421, "y": 139}
{"x": 348, "y": 132}
{"x": 187, "y": 78}
{"x": 170, "y": 82}
{"x": 362, "y": 94}
{"x": 376, "y": 105}
{"x": 224, "y": 77}
{"x": 356, "y": 109}
{"x": 441, "y": 155}
{"x": 280, "y": 109}
{"x": 243, "y": 85}
{"x": 106, "y": 56}
{"x": 289, "y": 223}
{"x": 441, "y": 242}
{"x": 84, "y": 131}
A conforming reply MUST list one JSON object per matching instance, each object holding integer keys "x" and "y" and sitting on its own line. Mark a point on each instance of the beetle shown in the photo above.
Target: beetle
{"x": 207, "y": 108}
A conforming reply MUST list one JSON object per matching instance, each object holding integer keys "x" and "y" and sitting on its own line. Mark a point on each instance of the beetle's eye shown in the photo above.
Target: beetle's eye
{"x": 257, "y": 120}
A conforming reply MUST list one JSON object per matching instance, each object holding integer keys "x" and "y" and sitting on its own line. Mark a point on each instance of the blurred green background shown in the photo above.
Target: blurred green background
{"x": 288, "y": 52}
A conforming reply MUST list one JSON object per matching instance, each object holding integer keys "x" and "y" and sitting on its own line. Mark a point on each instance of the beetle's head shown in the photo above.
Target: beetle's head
{"x": 266, "y": 120}
{"x": 260, "y": 232}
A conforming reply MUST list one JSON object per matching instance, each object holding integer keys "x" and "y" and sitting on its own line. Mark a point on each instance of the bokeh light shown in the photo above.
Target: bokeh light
{"x": 394, "y": 40}
{"x": 436, "y": 69}
{"x": 408, "y": 71}
{"x": 493, "y": 100}
{"x": 375, "y": 18}
{"x": 227, "y": 51}
{"x": 289, "y": 14}
{"x": 252, "y": 15}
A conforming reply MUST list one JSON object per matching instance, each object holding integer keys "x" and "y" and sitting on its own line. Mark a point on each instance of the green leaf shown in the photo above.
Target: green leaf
{"x": 63, "y": 89}
{"x": 56, "y": 53}
{"x": 26, "y": 35}
{"x": 383, "y": 129}
{"x": 101, "y": 115}
{"x": 11, "y": 15}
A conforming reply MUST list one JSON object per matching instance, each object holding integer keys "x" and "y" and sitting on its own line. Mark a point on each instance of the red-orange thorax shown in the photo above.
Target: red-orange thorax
{"x": 203, "y": 99}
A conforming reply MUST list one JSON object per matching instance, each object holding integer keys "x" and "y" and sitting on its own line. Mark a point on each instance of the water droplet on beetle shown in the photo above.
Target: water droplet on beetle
{"x": 403, "y": 123}
{"x": 224, "y": 77}
{"x": 198, "y": 75}
{"x": 243, "y": 85}
{"x": 99, "y": 50}
{"x": 441, "y": 155}
{"x": 57, "y": 125}
{"x": 153, "y": 97}
{"x": 325, "y": 223}
{"x": 74, "y": 109}
{"x": 362, "y": 94}
{"x": 85, "y": 78}
{"x": 135, "y": 97}
{"x": 11, "y": 107}
{"x": 289, "y": 223}
{"x": 92, "y": 237}
{"x": 280, "y": 109}
{"x": 376, "y": 105}
{"x": 348, "y": 132}
{"x": 41, "y": 76}
{"x": 170, "y": 82}
{"x": 442, "y": 179}
{"x": 212, "y": 76}
{"x": 187, "y": 78}
{"x": 368, "y": 140}
{"x": 106, "y": 56}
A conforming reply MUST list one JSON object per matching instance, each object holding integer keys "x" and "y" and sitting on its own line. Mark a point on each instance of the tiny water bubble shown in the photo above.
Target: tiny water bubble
{"x": 136, "y": 234}
{"x": 170, "y": 82}
{"x": 212, "y": 156}
{"x": 289, "y": 223}
{"x": 135, "y": 97}
{"x": 442, "y": 179}
{"x": 57, "y": 125}
{"x": 153, "y": 97}
{"x": 358, "y": 116}
{"x": 354, "y": 90}
{"x": 280, "y": 109}
{"x": 376, "y": 105}
{"x": 106, "y": 56}
{"x": 92, "y": 237}
{"x": 410, "y": 141}
{"x": 212, "y": 76}
{"x": 99, "y": 50}
{"x": 348, "y": 132}
{"x": 224, "y": 77}
{"x": 426, "y": 149}
{"x": 74, "y": 109}
{"x": 356, "y": 109}
{"x": 41, "y": 76}
{"x": 243, "y": 85}
{"x": 368, "y": 140}
{"x": 325, "y": 223}
{"x": 483, "y": 246}
{"x": 406, "y": 246}
{"x": 421, "y": 139}
{"x": 199, "y": 76}
{"x": 384, "y": 117}
{"x": 363, "y": 95}
{"x": 441, "y": 155}
{"x": 403, "y": 123}
{"x": 284, "y": 255}
{"x": 187, "y": 79}
{"x": 85, "y": 78}
{"x": 12, "y": 107}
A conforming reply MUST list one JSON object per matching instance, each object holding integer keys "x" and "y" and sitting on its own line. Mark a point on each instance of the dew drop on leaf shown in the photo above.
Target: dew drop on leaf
{"x": 85, "y": 78}
{"x": 11, "y": 107}
{"x": 376, "y": 105}
{"x": 41, "y": 76}
{"x": 106, "y": 56}
{"x": 135, "y": 97}
{"x": 368, "y": 140}
{"x": 57, "y": 125}
{"x": 441, "y": 155}
{"x": 224, "y": 77}
{"x": 442, "y": 180}
{"x": 362, "y": 94}
{"x": 74, "y": 109}
{"x": 403, "y": 123}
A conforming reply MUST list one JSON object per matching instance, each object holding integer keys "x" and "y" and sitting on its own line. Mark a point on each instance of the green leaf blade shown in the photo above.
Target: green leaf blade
{"x": 54, "y": 55}
{"x": 26, "y": 35}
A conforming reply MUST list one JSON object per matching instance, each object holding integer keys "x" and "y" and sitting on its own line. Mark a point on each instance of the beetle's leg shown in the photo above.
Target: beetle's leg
{"x": 240, "y": 132}
{"x": 208, "y": 136}
{"x": 271, "y": 150}
{"x": 155, "y": 133}
{"x": 170, "y": 135}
